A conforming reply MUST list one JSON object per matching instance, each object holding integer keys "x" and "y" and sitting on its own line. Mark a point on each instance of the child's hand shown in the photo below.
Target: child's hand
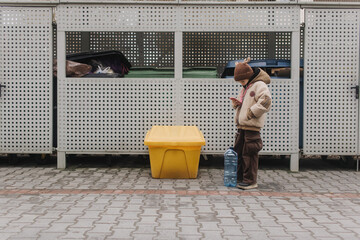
{"x": 250, "y": 114}
{"x": 235, "y": 101}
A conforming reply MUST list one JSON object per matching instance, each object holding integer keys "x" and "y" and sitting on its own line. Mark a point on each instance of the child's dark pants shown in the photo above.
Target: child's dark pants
{"x": 247, "y": 146}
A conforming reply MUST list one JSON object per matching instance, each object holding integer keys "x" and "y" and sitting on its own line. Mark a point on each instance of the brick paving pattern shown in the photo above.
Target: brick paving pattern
{"x": 126, "y": 203}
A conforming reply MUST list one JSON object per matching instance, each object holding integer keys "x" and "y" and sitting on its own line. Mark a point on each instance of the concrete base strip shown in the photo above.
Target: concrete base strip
{"x": 235, "y": 192}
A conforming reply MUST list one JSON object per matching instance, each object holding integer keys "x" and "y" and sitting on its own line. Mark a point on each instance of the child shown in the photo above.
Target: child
{"x": 251, "y": 105}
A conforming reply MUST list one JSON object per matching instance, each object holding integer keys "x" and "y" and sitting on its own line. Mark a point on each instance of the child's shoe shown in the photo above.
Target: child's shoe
{"x": 247, "y": 186}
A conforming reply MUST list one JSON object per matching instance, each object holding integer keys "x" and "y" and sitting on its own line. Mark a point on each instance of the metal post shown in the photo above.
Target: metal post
{"x": 295, "y": 74}
{"x": 61, "y": 74}
{"x": 178, "y": 74}
{"x": 61, "y": 160}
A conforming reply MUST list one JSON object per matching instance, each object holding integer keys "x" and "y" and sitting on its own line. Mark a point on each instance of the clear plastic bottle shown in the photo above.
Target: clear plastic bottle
{"x": 230, "y": 167}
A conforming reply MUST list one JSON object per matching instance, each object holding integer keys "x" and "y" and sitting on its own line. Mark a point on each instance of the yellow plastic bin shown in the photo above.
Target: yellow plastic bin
{"x": 174, "y": 151}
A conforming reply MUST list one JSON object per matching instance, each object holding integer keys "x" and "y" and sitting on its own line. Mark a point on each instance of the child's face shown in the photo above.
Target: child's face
{"x": 244, "y": 82}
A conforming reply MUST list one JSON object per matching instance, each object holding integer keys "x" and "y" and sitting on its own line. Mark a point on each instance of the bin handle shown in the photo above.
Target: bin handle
{"x": 1, "y": 86}
{"x": 357, "y": 91}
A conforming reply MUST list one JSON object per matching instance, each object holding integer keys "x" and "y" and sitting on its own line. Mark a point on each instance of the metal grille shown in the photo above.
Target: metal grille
{"x": 302, "y": 41}
{"x": 216, "y": 49}
{"x": 205, "y": 103}
{"x": 156, "y": 49}
{"x": 331, "y": 69}
{"x": 73, "y": 42}
{"x": 105, "y": 115}
{"x": 54, "y": 33}
{"x": 283, "y": 45}
{"x": 149, "y": 49}
{"x": 26, "y": 70}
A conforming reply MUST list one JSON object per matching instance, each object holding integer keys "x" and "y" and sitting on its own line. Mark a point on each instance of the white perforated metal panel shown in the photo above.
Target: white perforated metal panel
{"x": 84, "y": 125}
{"x": 205, "y": 103}
{"x": 328, "y": 2}
{"x": 237, "y": 1}
{"x": 112, "y": 115}
{"x": 30, "y": 1}
{"x": 26, "y": 71}
{"x": 172, "y": 18}
{"x": 281, "y": 131}
{"x": 331, "y": 121}
{"x": 116, "y": 18}
{"x": 237, "y": 18}
{"x": 120, "y": 1}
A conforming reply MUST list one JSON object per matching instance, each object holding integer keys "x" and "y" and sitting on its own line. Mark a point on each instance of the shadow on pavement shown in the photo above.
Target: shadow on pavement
{"x": 142, "y": 161}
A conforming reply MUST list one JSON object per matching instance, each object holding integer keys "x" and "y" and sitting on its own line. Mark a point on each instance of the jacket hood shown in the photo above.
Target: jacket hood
{"x": 262, "y": 76}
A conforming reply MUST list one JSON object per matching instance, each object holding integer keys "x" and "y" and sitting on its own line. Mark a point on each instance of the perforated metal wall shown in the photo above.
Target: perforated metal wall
{"x": 237, "y": 18}
{"x": 112, "y": 115}
{"x": 237, "y": 1}
{"x": 205, "y": 103}
{"x": 170, "y": 18}
{"x": 26, "y": 71}
{"x": 281, "y": 130}
{"x": 30, "y": 1}
{"x": 89, "y": 110}
{"x": 331, "y": 69}
{"x": 116, "y": 18}
{"x": 328, "y": 2}
{"x": 120, "y": 1}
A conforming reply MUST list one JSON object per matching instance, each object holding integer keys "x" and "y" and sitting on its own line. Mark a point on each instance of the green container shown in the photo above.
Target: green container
{"x": 138, "y": 72}
{"x": 196, "y": 72}
{"x": 200, "y": 72}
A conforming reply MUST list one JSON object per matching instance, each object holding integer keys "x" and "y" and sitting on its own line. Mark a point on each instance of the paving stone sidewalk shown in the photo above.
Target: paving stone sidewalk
{"x": 126, "y": 203}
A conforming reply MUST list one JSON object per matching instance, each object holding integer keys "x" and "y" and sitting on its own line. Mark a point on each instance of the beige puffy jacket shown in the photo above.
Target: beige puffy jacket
{"x": 256, "y": 103}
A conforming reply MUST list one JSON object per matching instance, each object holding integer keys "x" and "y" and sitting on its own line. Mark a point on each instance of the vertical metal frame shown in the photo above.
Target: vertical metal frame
{"x": 61, "y": 74}
{"x": 295, "y": 74}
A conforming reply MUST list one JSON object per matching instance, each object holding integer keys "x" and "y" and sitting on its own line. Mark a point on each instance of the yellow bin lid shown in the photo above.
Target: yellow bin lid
{"x": 174, "y": 136}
